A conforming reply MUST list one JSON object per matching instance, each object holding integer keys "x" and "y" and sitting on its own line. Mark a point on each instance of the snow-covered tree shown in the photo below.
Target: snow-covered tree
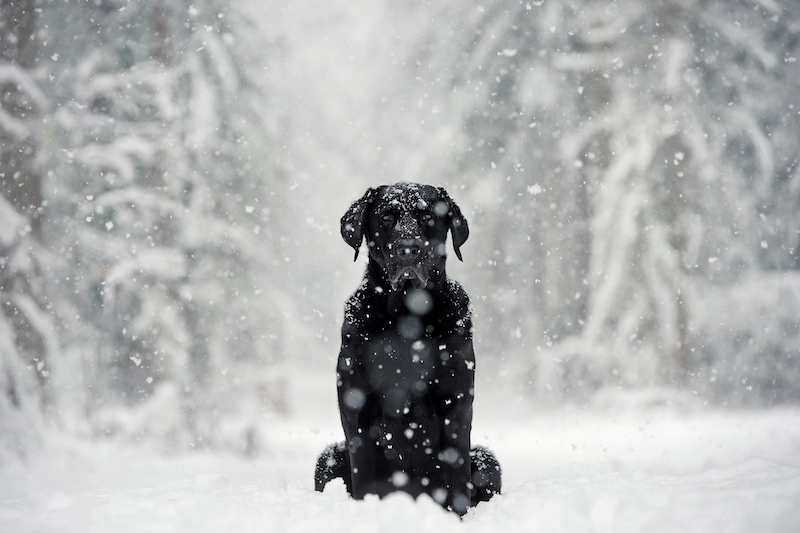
{"x": 622, "y": 155}
{"x": 683, "y": 152}
{"x": 166, "y": 192}
{"x": 486, "y": 70}
{"x": 27, "y": 337}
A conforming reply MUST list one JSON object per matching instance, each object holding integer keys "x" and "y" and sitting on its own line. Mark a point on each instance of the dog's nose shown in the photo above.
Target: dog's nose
{"x": 408, "y": 249}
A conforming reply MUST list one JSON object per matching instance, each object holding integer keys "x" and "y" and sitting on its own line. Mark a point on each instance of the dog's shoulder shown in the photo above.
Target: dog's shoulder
{"x": 458, "y": 296}
{"x": 355, "y": 307}
{"x": 456, "y": 305}
{"x": 354, "y": 304}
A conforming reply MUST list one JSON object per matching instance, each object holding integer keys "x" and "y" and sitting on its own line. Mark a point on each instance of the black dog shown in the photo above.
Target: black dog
{"x": 406, "y": 366}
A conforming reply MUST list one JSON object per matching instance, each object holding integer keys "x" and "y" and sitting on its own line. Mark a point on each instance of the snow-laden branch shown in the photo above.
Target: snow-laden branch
{"x": 770, "y": 5}
{"x": 14, "y": 74}
{"x": 141, "y": 198}
{"x": 678, "y": 58}
{"x": 101, "y": 248}
{"x": 586, "y": 61}
{"x": 605, "y": 22}
{"x": 744, "y": 38}
{"x": 152, "y": 82}
{"x": 120, "y": 156}
{"x": 574, "y": 143}
{"x": 222, "y": 64}
{"x": 41, "y": 322}
{"x": 203, "y": 233}
{"x": 697, "y": 139}
{"x": 11, "y": 222}
{"x": 19, "y": 396}
{"x": 748, "y": 125}
{"x": 202, "y": 120}
{"x": 11, "y": 74}
{"x": 163, "y": 263}
{"x": 13, "y": 126}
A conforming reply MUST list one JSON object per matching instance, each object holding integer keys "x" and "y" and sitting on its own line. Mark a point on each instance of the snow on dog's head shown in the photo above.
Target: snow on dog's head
{"x": 405, "y": 226}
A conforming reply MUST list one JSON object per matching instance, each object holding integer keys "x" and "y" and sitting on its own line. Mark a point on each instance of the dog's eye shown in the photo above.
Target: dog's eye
{"x": 427, "y": 217}
{"x": 387, "y": 219}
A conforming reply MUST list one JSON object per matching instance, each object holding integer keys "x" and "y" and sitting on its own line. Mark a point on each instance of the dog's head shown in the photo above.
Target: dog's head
{"x": 406, "y": 227}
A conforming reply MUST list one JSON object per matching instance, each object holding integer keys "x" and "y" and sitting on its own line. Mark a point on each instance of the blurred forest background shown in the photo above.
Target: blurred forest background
{"x": 172, "y": 174}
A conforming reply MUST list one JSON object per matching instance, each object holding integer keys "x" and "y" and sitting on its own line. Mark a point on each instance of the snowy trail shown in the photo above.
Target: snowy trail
{"x": 568, "y": 470}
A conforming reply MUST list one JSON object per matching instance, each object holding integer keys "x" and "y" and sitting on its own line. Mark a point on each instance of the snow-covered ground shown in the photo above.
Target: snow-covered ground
{"x": 617, "y": 468}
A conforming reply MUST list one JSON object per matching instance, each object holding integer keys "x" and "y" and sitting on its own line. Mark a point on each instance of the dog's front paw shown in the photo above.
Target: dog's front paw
{"x": 332, "y": 463}
{"x": 486, "y": 474}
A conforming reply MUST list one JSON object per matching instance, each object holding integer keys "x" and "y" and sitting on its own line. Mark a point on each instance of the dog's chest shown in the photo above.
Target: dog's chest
{"x": 404, "y": 371}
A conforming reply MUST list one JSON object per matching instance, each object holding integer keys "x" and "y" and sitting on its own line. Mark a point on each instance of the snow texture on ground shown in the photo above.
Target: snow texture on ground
{"x": 657, "y": 469}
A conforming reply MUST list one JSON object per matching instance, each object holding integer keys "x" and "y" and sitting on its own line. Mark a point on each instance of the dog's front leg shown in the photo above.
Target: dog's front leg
{"x": 454, "y": 457}
{"x": 359, "y": 410}
{"x": 362, "y": 458}
{"x": 457, "y": 384}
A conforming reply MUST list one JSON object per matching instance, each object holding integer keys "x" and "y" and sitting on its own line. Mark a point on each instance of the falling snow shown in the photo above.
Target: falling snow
{"x": 172, "y": 273}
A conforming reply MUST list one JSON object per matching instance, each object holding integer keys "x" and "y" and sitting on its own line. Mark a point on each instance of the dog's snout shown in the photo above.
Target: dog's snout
{"x": 408, "y": 249}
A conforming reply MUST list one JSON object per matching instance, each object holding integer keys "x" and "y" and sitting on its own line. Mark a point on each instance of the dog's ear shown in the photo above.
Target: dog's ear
{"x": 457, "y": 223}
{"x": 354, "y": 220}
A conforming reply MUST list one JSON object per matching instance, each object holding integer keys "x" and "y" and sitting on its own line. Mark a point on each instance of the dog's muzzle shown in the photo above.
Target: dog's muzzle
{"x": 408, "y": 263}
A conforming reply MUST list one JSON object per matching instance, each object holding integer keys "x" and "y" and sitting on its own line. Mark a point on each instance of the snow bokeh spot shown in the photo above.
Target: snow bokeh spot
{"x": 354, "y": 398}
{"x": 419, "y": 302}
{"x": 439, "y": 495}
{"x": 399, "y": 479}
